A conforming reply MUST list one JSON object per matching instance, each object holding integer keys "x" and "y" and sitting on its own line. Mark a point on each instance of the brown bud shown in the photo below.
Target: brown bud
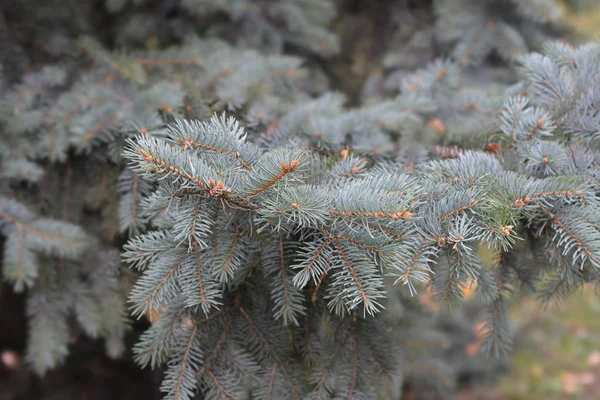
{"x": 146, "y": 155}
{"x": 506, "y": 229}
{"x": 493, "y": 148}
{"x": 187, "y": 144}
{"x": 438, "y": 126}
{"x": 519, "y": 203}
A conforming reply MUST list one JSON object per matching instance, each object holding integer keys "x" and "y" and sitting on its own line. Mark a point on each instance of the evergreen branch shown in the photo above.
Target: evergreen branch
{"x": 199, "y": 271}
{"x": 270, "y": 390}
{"x": 147, "y": 289}
{"x": 101, "y": 126}
{"x": 171, "y": 272}
{"x": 350, "y": 268}
{"x": 285, "y": 169}
{"x": 321, "y": 382}
{"x": 72, "y": 113}
{"x": 577, "y": 240}
{"x": 315, "y": 292}
{"x": 360, "y": 243}
{"x": 184, "y": 362}
{"x": 238, "y": 366}
{"x": 317, "y": 255}
{"x": 270, "y": 350}
{"x": 458, "y": 210}
{"x": 168, "y": 168}
{"x": 413, "y": 264}
{"x": 217, "y": 384}
{"x": 224, "y": 267}
{"x": 537, "y": 126}
{"x": 400, "y": 214}
{"x": 497, "y": 338}
{"x": 283, "y": 274}
{"x": 556, "y": 220}
{"x": 157, "y": 342}
{"x": 190, "y": 144}
{"x": 568, "y": 193}
{"x": 389, "y": 232}
{"x": 218, "y": 345}
{"x": 134, "y": 191}
{"x": 73, "y": 243}
{"x": 213, "y": 79}
{"x": 308, "y": 344}
{"x": 555, "y": 289}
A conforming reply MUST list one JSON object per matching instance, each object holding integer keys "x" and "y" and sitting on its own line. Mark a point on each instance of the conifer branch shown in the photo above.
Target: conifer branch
{"x": 170, "y": 274}
{"x": 272, "y": 353}
{"x": 214, "y": 78}
{"x": 164, "y": 168}
{"x": 360, "y": 243}
{"x": 271, "y": 379}
{"x": 217, "y": 384}
{"x": 459, "y": 210}
{"x": 323, "y": 377}
{"x": 101, "y": 126}
{"x": 352, "y": 271}
{"x": 217, "y": 347}
{"x": 400, "y": 214}
{"x": 186, "y": 354}
{"x": 285, "y": 169}
{"x": 190, "y": 144}
{"x": 389, "y": 232}
{"x": 283, "y": 274}
{"x": 30, "y": 229}
{"x": 576, "y": 239}
{"x": 199, "y": 272}
{"x": 234, "y": 242}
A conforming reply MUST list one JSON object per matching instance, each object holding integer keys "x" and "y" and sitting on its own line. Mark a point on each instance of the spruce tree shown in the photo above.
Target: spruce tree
{"x": 277, "y": 238}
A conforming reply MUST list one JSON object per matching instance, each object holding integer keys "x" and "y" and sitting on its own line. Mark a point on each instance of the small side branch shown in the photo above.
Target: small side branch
{"x": 285, "y": 169}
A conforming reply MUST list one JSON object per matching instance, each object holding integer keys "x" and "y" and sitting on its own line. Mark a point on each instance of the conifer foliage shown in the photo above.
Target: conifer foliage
{"x": 276, "y": 239}
{"x": 317, "y": 229}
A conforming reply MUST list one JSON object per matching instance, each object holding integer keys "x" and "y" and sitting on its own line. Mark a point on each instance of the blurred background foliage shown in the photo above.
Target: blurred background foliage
{"x": 557, "y": 351}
